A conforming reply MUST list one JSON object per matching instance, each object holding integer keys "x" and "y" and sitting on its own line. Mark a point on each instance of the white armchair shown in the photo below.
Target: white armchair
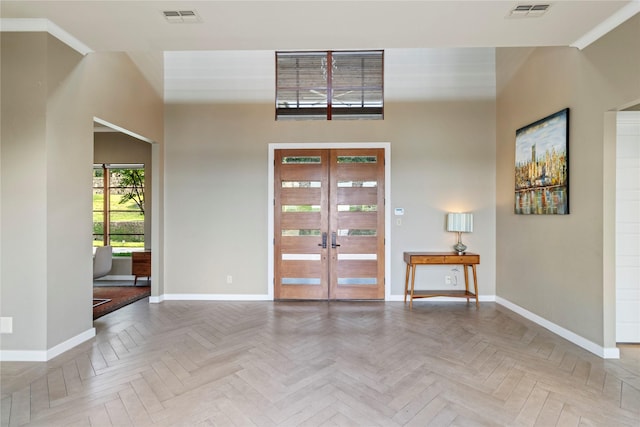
{"x": 102, "y": 261}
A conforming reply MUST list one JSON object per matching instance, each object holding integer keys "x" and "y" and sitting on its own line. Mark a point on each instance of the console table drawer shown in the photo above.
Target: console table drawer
{"x": 424, "y": 259}
{"x": 462, "y": 259}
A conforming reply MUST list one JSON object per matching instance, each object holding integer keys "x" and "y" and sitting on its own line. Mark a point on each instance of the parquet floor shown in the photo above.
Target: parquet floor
{"x": 322, "y": 364}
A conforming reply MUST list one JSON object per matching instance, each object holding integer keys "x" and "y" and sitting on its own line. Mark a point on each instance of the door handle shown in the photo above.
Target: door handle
{"x": 324, "y": 241}
{"x": 333, "y": 240}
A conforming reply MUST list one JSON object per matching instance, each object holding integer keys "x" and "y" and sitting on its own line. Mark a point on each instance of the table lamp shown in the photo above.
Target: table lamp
{"x": 460, "y": 222}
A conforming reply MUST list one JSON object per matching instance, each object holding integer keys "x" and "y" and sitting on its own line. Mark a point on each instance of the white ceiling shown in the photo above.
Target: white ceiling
{"x": 307, "y": 24}
{"x": 193, "y": 70}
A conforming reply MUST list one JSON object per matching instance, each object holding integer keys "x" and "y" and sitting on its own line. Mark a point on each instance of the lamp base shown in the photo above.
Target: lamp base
{"x": 460, "y": 247}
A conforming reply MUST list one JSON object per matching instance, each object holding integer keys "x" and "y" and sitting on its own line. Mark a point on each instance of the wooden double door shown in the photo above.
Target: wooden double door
{"x": 329, "y": 224}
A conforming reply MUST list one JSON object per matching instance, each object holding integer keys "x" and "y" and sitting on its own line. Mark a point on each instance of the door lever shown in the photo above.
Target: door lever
{"x": 324, "y": 241}
{"x": 333, "y": 240}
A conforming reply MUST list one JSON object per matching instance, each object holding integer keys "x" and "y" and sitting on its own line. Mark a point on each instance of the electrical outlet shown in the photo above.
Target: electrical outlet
{"x": 447, "y": 280}
{"x": 229, "y": 279}
{"x": 6, "y": 325}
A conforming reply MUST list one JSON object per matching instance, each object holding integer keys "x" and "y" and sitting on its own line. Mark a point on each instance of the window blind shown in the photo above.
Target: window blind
{"x": 329, "y": 85}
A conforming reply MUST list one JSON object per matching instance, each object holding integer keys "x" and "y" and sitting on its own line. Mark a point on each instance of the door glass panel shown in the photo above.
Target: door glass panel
{"x": 304, "y": 160}
{"x": 301, "y": 208}
{"x": 357, "y": 159}
{"x": 301, "y": 232}
{"x": 301, "y": 257}
{"x": 356, "y": 232}
{"x": 343, "y": 257}
{"x": 300, "y": 184}
{"x": 357, "y": 184}
{"x": 357, "y": 281}
{"x": 357, "y": 208}
{"x": 300, "y": 281}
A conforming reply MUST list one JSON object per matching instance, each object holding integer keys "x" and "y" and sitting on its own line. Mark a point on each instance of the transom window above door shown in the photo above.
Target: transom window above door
{"x": 330, "y": 85}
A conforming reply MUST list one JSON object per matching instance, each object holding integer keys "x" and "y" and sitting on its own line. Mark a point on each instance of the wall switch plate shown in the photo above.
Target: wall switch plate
{"x": 447, "y": 280}
{"x": 229, "y": 279}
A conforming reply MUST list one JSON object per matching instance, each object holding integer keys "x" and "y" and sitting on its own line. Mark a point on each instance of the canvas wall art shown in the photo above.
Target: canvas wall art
{"x": 542, "y": 166}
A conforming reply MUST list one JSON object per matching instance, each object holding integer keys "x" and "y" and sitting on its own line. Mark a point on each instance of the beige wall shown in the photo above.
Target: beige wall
{"x": 556, "y": 266}
{"x": 442, "y": 158}
{"x": 23, "y": 272}
{"x": 50, "y": 95}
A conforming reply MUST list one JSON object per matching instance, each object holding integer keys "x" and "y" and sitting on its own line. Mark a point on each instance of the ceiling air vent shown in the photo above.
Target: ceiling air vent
{"x": 180, "y": 16}
{"x": 529, "y": 10}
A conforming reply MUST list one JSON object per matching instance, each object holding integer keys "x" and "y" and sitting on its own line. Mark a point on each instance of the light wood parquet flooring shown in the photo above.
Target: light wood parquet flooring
{"x": 322, "y": 364}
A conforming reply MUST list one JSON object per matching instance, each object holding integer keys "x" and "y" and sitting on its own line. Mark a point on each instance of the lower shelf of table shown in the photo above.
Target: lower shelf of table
{"x": 441, "y": 293}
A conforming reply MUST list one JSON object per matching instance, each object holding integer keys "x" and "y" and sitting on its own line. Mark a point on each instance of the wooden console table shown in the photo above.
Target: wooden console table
{"x": 413, "y": 259}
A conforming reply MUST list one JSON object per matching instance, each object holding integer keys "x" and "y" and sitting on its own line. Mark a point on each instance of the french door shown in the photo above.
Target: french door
{"x": 329, "y": 224}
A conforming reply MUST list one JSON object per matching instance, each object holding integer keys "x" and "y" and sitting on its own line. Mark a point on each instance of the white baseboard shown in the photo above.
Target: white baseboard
{"x": 46, "y": 355}
{"x": 214, "y": 297}
{"x": 598, "y": 350}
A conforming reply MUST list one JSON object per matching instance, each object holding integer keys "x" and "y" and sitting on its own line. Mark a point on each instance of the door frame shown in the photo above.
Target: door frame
{"x": 387, "y": 206}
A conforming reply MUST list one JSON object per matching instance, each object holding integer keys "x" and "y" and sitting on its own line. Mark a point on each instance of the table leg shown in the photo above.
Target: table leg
{"x": 475, "y": 284}
{"x": 466, "y": 280}
{"x": 406, "y": 284}
{"x": 413, "y": 281}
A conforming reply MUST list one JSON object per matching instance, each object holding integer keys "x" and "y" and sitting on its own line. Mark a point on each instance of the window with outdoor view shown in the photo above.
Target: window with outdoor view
{"x": 118, "y": 207}
{"x": 329, "y": 85}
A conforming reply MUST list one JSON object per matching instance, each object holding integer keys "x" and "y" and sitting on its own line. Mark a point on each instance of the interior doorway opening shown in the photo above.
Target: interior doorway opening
{"x": 122, "y": 213}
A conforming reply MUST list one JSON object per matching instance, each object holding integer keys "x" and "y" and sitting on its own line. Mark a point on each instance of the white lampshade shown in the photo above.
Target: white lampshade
{"x": 461, "y": 222}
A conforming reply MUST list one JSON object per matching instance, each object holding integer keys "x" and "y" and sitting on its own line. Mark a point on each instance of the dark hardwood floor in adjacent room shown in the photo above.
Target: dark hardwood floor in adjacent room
{"x": 320, "y": 364}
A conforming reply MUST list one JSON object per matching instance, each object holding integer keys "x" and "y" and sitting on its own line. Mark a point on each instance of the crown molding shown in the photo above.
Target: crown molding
{"x": 43, "y": 25}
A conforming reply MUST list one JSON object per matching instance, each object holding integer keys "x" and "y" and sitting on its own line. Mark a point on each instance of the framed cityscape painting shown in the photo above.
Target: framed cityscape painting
{"x": 542, "y": 166}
